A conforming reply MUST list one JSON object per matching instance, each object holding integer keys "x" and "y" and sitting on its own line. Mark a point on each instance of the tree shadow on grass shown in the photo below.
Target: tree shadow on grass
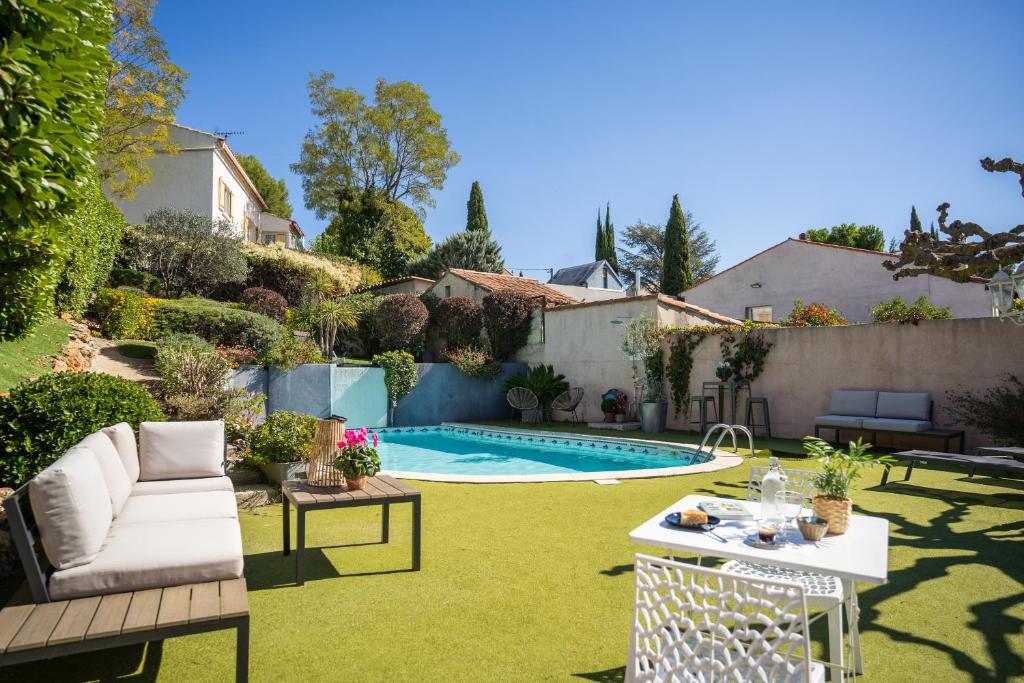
{"x": 998, "y": 547}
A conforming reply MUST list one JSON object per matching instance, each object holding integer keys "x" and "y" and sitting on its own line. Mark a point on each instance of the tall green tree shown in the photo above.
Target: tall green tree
{"x": 850, "y": 235}
{"x": 915, "y": 222}
{"x": 677, "y": 270}
{"x": 600, "y": 238}
{"x": 610, "y": 253}
{"x": 472, "y": 250}
{"x": 273, "y": 190}
{"x": 144, "y": 90}
{"x": 476, "y": 215}
{"x": 644, "y": 252}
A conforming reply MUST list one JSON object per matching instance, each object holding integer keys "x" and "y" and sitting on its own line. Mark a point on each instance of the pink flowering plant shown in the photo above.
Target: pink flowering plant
{"x": 357, "y": 454}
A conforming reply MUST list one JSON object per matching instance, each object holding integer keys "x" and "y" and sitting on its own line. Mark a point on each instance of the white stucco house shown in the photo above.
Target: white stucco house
{"x": 851, "y": 280}
{"x": 277, "y": 230}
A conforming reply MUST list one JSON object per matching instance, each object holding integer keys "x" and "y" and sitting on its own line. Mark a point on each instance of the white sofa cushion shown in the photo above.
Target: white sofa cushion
{"x": 843, "y": 421}
{"x": 71, "y": 506}
{"x": 118, "y": 484}
{"x": 157, "y": 555}
{"x": 904, "y": 405}
{"x": 179, "y": 506}
{"x": 856, "y": 402}
{"x": 123, "y": 437}
{"x": 892, "y": 424}
{"x": 149, "y": 488}
{"x": 181, "y": 450}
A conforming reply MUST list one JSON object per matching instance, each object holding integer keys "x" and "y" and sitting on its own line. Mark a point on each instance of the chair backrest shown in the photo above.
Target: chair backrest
{"x": 796, "y": 480}
{"x": 567, "y": 400}
{"x": 696, "y": 624}
{"x": 522, "y": 398}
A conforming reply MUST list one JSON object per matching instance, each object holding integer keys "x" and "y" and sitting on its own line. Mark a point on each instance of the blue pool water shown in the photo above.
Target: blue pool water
{"x": 490, "y": 452}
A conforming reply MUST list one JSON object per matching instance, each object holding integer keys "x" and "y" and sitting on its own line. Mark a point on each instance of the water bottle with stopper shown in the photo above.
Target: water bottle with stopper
{"x": 773, "y": 493}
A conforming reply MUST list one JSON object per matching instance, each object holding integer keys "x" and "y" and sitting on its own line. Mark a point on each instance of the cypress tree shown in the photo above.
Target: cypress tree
{"x": 915, "y": 222}
{"x": 610, "y": 253}
{"x": 476, "y": 215}
{"x": 677, "y": 271}
{"x": 933, "y": 231}
{"x": 599, "y": 242}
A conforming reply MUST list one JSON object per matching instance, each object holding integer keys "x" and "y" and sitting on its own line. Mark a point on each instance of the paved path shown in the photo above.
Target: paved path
{"x": 110, "y": 361}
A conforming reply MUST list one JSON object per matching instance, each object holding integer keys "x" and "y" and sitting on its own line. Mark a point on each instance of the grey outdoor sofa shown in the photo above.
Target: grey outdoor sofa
{"x": 875, "y": 412}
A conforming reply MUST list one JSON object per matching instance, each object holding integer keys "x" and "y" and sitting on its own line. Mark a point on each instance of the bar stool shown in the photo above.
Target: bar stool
{"x": 767, "y": 424}
{"x": 703, "y": 402}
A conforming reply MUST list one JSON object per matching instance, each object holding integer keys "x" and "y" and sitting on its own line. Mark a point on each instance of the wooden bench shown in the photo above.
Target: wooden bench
{"x": 32, "y": 632}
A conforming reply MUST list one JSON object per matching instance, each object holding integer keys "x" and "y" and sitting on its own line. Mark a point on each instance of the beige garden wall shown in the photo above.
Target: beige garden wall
{"x": 805, "y": 364}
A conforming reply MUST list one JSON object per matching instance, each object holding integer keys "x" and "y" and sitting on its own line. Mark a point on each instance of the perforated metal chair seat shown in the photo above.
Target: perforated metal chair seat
{"x": 821, "y": 591}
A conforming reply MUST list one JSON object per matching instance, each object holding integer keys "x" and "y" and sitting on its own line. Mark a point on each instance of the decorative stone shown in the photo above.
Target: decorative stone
{"x": 250, "y": 496}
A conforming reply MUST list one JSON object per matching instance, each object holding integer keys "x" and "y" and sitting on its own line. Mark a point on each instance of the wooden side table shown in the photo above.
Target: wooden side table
{"x": 380, "y": 490}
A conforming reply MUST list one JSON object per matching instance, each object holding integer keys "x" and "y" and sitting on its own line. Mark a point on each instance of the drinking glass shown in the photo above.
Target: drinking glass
{"x": 792, "y": 504}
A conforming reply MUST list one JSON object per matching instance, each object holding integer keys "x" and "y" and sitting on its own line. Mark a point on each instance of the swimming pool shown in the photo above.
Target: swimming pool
{"x": 469, "y": 453}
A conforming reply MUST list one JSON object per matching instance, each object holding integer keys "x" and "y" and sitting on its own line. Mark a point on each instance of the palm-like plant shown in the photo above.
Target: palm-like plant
{"x": 324, "y": 314}
{"x": 542, "y": 381}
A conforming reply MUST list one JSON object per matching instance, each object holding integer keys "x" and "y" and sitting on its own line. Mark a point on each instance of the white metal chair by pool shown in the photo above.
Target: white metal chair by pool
{"x": 694, "y": 624}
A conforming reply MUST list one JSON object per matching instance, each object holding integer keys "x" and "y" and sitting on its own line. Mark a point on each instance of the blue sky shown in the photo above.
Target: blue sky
{"x": 765, "y": 118}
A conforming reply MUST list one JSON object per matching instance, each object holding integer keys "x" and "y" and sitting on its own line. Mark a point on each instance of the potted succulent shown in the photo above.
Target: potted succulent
{"x": 608, "y": 408}
{"x": 839, "y": 468}
{"x": 357, "y": 458}
{"x": 723, "y": 371}
{"x": 281, "y": 445}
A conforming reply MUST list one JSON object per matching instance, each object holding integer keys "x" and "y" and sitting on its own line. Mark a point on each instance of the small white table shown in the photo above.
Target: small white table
{"x": 861, "y": 554}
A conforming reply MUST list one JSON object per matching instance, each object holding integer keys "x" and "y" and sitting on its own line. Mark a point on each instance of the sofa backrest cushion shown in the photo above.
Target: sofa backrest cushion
{"x": 123, "y": 437}
{"x": 904, "y": 405}
{"x": 116, "y": 479}
{"x": 181, "y": 450}
{"x": 71, "y": 506}
{"x": 858, "y": 402}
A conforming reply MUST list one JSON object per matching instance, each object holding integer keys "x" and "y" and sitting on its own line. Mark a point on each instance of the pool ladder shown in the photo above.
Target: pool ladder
{"x": 723, "y": 429}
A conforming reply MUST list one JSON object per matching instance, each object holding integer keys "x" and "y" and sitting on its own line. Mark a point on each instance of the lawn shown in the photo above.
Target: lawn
{"x": 30, "y": 356}
{"x": 528, "y": 582}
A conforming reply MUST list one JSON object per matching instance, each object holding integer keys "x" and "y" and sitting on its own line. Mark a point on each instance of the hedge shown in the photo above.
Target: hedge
{"x": 399, "y": 322}
{"x": 289, "y": 272}
{"x": 218, "y": 323}
{"x": 125, "y": 314}
{"x": 54, "y": 61}
{"x": 43, "y": 418}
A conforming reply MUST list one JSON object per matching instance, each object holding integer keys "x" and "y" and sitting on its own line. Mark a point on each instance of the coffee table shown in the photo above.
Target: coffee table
{"x": 380, "y": 490}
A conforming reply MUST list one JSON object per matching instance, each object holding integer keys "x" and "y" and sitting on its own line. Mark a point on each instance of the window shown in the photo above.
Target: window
{"x": 760, "y": 314}
{"x": 447, "y": 291}
{"x": 269, "y": 239}
{"x": 224, "y": 198}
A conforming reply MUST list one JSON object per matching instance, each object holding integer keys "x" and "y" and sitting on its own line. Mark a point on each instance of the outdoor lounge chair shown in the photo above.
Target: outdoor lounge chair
{"x": 987, "y": 463}
{"x": 525, "y": 401}
{"x": 569, "y": 401}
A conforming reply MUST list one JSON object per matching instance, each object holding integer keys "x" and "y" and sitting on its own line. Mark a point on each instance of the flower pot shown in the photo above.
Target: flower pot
{"x": 836, "y": 510}
{"x": 653, "y": 416}
{"x": 533, "y": 415}
{"x": 620, "y": 417}
{"x": 353, "y": 484}
{"x": 609, "y": 417}
{"x": 276, "y": 472}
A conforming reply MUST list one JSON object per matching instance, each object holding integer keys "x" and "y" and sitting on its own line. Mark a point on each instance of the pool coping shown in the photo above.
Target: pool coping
{"x": 721, "y": 460}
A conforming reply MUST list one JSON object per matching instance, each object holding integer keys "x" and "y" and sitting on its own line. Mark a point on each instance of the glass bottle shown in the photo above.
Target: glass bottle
{"x": 773, "y": 488}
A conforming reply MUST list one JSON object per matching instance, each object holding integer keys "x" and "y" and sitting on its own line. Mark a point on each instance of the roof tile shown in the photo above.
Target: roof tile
{"x": 497, "y": 282}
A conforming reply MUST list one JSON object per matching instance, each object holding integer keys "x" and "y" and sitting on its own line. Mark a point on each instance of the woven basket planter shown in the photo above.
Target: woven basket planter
{"x": 836, "y": 510}
{"x": 320, "y": 464}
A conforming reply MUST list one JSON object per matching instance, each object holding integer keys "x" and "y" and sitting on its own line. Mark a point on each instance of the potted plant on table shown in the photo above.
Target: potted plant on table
{"x": 839, "y": 470}
{"x": 723, "y": 371}
{"x": 357, "y": 458}
{"x": 642, "y": 344}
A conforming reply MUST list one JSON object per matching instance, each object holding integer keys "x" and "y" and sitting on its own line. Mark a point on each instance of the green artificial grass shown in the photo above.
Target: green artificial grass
{"x": 29, "y": 356}
{"x": 137, "y": 349}
{"x": 534, "y": 582}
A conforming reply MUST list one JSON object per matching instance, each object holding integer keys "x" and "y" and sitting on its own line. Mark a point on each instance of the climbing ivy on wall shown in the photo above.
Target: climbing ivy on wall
{"x": 745, "y": 349}
{"x": 680, "y": 362}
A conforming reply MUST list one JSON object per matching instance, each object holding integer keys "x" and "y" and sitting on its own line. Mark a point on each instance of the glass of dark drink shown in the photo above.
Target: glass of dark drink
{"x": 766, "y": 532}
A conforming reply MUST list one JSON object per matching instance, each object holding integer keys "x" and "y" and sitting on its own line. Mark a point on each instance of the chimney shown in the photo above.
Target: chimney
{"x": 803, "y": 236}
{"x": 636, "y": 283}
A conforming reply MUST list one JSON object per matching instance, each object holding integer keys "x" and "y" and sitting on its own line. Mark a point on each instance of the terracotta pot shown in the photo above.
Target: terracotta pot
{"x": 609, "y": 417}
{"x": 836, "y": 510}
{"x": 359, "y": 483}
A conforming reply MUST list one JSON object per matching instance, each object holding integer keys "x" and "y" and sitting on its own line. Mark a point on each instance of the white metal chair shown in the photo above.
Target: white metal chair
{"x": 823, "y": 592}
{"x": 703, "y": 625}
{"x": 568, "y": 401}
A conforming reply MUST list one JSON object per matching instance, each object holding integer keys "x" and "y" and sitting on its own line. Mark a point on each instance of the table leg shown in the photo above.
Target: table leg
{"x": 242, "y": 652}
{"x": 416, "y": 534}
{"x": 286, "y": 524}
{"x": 885, "y": 475}
{"x": 852, "y": 620}
{"x": 835, "y": 644}
{"x": 910, "y": 470}
{"x": 300, "y": 547}
{"x": 385, "y": 522}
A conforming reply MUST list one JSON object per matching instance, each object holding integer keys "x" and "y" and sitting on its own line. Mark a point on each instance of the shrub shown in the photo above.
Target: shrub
{"x": 291, "y": 352}
{"x": 996, "y": 411}
{"x": 283, "y": 437}
{"x": 264, "y": 301}
{"x": 124, "y": 314}
{"x": 54, "y": 62}
{"x": 399, "y": 373}
{"x": 290, "y": 272}
{"x": 192, "y": 377}
{"x": 400, "y": 321}
{"x": 43, "y": 418}
{"x": 365, "y": 335}
{"x": 459, "y": 320}
{"x": 139, "y": 279}
{"x": 474, "y": 362}
{"x": 218, "y": 323}
{"x": 506, "y": 316}
{"x": 237, "y": 355}
{"x": 897, "y": 310}
{"x": 813, "y": 315}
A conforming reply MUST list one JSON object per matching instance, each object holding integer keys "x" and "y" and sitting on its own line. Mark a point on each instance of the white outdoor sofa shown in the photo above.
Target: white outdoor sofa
{"x": 149, "y": 525}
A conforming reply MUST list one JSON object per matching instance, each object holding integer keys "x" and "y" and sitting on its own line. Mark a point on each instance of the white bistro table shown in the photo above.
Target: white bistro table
{"x": 861, "y": 554}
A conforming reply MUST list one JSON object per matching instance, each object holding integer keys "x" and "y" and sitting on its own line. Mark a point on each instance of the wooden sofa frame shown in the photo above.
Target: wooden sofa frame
{"x": 947, "y": 435}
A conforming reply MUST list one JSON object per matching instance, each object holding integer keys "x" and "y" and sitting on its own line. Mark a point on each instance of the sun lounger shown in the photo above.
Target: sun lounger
{"x": 974, "y": 463}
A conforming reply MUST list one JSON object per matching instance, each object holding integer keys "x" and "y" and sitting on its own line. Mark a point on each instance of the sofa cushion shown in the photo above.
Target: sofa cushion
{"x": 140, "y": 556}
{"x": 148, "y": 488}
{"x": 118, "y": 484}
{"x": 181, "y": 450}
{"x": 123, "y": 437}
{"x": 857, "y": 402}
{"x": 905, "y": 405}
{"x": 891, "y": 424}
{"x": 71, "y": 506}
{"x": 844, "y": 421}
{"x": 179, "y": 506}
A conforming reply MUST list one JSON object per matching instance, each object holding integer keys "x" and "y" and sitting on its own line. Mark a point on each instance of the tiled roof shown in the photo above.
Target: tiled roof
{"x": 661, "y": 298}
{"x": 577, "y": 275}
{"x": 392, "y": 281}
{"x": 494, "y": 282}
